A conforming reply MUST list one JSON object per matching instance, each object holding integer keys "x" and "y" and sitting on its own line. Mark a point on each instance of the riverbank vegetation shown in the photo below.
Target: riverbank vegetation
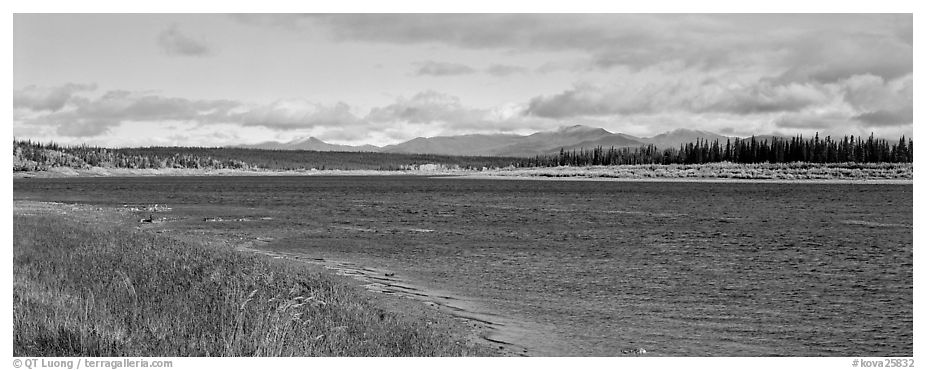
{"x": 847, "y": 153}
{"x": 89, "y": 290}
{"x": 34, "y": 156}
{"x": 849, "y": 149}
{"x": 798, "y": 171}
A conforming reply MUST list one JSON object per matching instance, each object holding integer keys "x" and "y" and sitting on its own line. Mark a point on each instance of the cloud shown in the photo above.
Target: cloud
{"x": 426, "y": 107}
{"x": 798, "y": 47}
{"x": 524, "y": 32}
{"x": 84, "y": 128}
{"x": 140, "y": 106}
{"x": 583, "y": 100}
{"x": 833, "y": 56}
{"x": 879, "y": 102}
{"x": 625, "y": 94}
{"x": 297, "y": 113}
{"x": 175, "y": 43}
{"x": 677, "y": 92}
{"x": 438, "y": 113}
{"x": 501, "y": 70}
{"x": 766, "y": 71}
{"x": 432, "y": 68}
{"x": 644, "y": 102}
{"x": 881, "y": 118}
{"x": 124, "y": 113}
{"x": 766, "y": 96}
{"x": 48, "y": 99}
{"x": 345, "y": 134}
{"x": 854, "y": 104}
{"x": 810, "y": 121}
{"x": 92, "y": 117}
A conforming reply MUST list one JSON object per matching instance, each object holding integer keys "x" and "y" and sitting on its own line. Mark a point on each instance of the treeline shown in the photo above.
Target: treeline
{"x": 34, "y": 156}
{"x": 750, "y": 150}
{"x": 304, "y": 159}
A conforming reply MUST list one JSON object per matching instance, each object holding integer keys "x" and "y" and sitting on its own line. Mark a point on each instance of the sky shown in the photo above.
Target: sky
{"x": 228, "y": 79}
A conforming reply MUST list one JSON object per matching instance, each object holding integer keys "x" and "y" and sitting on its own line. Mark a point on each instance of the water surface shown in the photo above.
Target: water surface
{"x": 680, "y": 269}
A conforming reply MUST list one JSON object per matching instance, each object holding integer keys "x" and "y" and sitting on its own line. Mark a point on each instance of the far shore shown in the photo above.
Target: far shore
{"x": 62, "y": 172}
{"x": 711, "y": 173}
{"x": 685, "y": 179}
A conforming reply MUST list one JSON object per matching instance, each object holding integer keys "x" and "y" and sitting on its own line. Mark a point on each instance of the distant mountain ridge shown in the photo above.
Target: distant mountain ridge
{"x": 510, "y": 145}
{"x": 311, "y": 143}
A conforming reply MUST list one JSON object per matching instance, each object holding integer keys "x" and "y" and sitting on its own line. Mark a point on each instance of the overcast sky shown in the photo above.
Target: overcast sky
{"x": 210, "y": 80}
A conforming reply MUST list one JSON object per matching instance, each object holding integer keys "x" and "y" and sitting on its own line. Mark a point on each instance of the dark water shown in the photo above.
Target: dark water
{"x": 681, "y": 269}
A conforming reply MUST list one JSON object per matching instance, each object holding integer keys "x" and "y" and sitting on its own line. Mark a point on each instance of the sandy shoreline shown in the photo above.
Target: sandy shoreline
{"x": 60, "y": 172}
{"x": 684, "y": 179}
{"x": 492, "y": 328}
{"x": 546, "y": 174}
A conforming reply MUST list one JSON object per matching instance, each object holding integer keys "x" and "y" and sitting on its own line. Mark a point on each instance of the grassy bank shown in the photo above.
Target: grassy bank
{"x": 717, "y": 171}
{"x": 63, "y": 172}
{"x": 725, "y": 170}
{"x": 89, "y": 290}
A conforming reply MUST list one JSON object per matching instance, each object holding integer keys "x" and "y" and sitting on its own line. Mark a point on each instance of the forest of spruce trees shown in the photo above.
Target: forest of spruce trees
{"x": 35, "y": 156}
{"x": 750, "y": 150}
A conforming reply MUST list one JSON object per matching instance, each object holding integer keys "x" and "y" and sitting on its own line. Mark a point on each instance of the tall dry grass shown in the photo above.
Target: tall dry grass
{"x": 84, "y": 290}
{"x": 727, "y": 170}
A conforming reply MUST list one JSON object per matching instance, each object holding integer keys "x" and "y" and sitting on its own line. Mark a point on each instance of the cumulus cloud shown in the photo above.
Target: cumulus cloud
{"x": 640, "y": 104}
{"x": 426, "y": 107}
{"x": 297, "y": 113}
{"x": 676, "y": 93}
{"x": 768, "y": 71}
{"x": 881, "y": 102}
{"x": 627, "y": 95}
{"x": 90, "y": 117}
{"x": 765, "y": 96}
{"x": 48, "y": 99}
{"x": 120, "y": 105}
{"x": 443, "y": 114}
{"x": 84, "y": 128}
{"x": 175, "y": 43}
{"x": 432, "y": 68}
{"x": 583, "y": 100}
{"x": 855, "y": 104}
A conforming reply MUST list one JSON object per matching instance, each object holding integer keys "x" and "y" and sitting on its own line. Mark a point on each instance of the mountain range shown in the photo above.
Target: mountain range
{"x": 544, "y": 142}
